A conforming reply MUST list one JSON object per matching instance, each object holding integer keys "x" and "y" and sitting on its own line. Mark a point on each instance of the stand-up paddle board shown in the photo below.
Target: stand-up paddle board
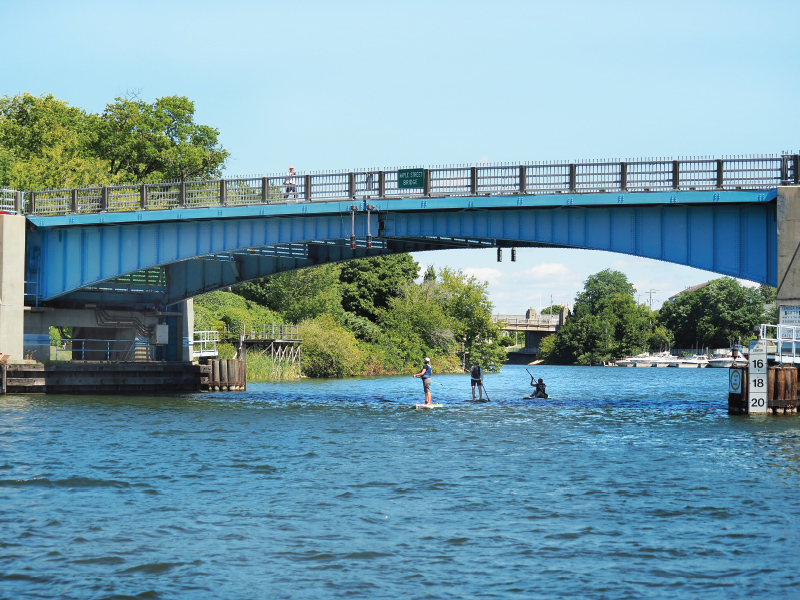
{"x": 435, "y": 405}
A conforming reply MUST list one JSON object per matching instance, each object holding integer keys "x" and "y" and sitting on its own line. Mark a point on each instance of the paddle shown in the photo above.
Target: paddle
{"x": 485, "y": 392}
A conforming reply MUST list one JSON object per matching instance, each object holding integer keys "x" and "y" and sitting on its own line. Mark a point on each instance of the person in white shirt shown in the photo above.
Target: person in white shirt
{"x": 291, "y": 184}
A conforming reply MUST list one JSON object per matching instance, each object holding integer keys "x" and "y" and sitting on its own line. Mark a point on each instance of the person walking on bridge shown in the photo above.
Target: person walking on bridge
{"x": 426, "y": 373}
{"x": 291, "y": 184}
{"x": 477, "y": 379}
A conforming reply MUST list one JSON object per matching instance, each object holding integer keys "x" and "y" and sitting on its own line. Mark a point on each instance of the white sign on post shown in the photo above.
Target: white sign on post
{"x": 757, "y": 377}
{"x": 789, "y": 315}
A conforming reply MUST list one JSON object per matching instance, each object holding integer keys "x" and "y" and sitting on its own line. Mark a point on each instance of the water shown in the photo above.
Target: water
{"x": 630, "y": 483}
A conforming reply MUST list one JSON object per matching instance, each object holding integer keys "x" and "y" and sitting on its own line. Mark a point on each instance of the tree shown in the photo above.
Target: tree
{"x": 716, "y": 315}
{"x": 605, "y": 323}
{"x": 369, "y": 283}
{"x": 554, "y": 309}
{"x": 158, "y": 140}
{"x": 604, "y": 285}
{"x": 47, "y": 144}
{"x": 298, "y": 295}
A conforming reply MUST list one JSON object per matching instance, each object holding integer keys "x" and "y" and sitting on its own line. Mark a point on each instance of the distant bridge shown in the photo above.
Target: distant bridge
{"x": 533, "y": 328}
{"x": 147, "y": 247}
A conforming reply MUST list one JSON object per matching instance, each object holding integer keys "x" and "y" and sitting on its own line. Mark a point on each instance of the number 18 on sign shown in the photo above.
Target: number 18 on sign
{"x": 757, "y": 377}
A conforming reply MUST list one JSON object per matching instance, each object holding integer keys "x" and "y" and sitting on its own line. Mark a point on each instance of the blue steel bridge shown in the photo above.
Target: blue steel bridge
{"x": 150, "y": 246}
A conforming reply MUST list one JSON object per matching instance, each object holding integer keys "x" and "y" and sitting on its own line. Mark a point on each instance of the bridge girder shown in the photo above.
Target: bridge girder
{"x": 736, "y": 239}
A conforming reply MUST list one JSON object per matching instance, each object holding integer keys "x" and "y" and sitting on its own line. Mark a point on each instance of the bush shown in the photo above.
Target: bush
{"x": 329, "y": 350}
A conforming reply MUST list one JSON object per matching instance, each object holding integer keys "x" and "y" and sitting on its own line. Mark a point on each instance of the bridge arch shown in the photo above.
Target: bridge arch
{"x": 83, "y": 262}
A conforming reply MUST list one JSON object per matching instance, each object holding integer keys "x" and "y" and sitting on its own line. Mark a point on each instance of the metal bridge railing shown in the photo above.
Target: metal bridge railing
{"x": 259, "y": 332}
{"x": 204, "y": 344}
{"x": 650, "y": 175}
{"x": 101, "y": 349}
{"x": 515, "y": 321}
{"x": 786, "y": 340}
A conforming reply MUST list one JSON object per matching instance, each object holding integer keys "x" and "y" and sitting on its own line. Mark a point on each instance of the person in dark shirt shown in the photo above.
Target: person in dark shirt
{"x": 477, "y": 379}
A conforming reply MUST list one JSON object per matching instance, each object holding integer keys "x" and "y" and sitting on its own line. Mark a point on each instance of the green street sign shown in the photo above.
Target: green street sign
{"x": 410, "y": 179}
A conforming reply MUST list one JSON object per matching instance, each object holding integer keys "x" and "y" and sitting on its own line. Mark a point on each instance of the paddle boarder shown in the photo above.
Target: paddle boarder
{"x": 425, "y": 373}
{"x": 477, "y": 379}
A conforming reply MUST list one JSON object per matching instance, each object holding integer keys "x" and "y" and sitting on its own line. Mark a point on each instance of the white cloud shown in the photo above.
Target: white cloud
{"x": 488, "y": 274}
{"x": 558, "y": 270}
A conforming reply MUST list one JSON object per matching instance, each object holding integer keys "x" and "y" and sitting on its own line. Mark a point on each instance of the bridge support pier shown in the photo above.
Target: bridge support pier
{"x": 98, "y": 334}
{"x": 12, "y": 285}
{"x": 788, "y": 247}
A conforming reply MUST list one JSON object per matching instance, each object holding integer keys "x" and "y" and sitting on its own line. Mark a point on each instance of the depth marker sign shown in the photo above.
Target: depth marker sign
{"x": 757, "y": 378}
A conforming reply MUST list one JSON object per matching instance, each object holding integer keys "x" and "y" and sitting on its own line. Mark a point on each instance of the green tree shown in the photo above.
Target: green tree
{"x": 158, "y": 140}
{"x": 47, "y": 144}
{"x": 601, "y": 285}
{"x": 467, "y": 303}
{"x": 299, "y": 295}
{"x": 606, "y": 323}
{"x": 716, "y": 315}
{"x": 369, "y": 283}
{"x": 554, "y": 309}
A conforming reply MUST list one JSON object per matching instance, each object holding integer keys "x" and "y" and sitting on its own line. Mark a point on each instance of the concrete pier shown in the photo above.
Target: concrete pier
{"x": 12, "y": 285}
{"x": 788, "y": 214}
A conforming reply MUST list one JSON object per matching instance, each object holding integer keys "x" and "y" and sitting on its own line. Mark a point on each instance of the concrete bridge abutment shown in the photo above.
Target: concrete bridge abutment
{"x": 12, "y": 285}
{"x": 788, "y": 216}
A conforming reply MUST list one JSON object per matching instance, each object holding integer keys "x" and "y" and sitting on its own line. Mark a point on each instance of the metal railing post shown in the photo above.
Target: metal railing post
{"x": 31, "y": 203}
{"x": 796, "y": 161}
{"x": 18, "y": 202}
{"x": 104, "y": 199}
{"x": 676, "y": 174}
{"x": 143, "y": 196}
{"x": 381, "y": 184}
{"x": 264, "y": 190}
{"x": 623, "y": 176}
{"x": 308, "y": 188}
{"x": 573, "y": 177}
{"x": 182, "y": 200}
{"x": 784, "y": 170}
{"x": 223, "y": 192}
{"x": 351, "y": 185}
{"x": 523, "y": 179}
{"x": 426, "y": 182}
{"x": 720, "y": 173}
{"x": 74, "y": 200}
{"x": 473, "y": 180}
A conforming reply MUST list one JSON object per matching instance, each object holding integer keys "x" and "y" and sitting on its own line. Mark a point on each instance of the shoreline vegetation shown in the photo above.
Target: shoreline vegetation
{"x": 370, "y": 316}
{"x": 374, "y": 316}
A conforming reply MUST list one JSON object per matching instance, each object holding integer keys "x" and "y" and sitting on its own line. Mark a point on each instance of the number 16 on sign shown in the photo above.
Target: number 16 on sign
{"x": 757, "y": 377}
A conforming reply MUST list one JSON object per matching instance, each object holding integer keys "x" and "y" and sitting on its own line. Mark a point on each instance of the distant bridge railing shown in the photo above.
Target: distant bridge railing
{"x": 260, "y": 332}
{"x": 517, "y": 321}
{"x": 731, "y": 173}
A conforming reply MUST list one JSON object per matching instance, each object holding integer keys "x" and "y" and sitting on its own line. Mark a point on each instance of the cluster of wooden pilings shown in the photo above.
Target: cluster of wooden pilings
{"x": 781, "y": 392}
{"x": 227, "y": 375}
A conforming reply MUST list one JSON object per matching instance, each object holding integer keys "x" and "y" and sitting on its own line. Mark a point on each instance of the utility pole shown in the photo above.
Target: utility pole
{"x": 651, "y": 292}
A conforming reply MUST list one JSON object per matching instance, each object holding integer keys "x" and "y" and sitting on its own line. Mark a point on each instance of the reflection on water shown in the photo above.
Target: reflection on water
{"x": 629, "y": 483}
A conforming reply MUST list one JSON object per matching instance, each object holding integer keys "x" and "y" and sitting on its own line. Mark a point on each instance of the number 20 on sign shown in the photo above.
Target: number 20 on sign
{"x": 757, "y": 377}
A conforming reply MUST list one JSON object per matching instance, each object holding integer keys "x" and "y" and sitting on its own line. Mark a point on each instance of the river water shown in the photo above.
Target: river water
{"x": 629, "y": 483}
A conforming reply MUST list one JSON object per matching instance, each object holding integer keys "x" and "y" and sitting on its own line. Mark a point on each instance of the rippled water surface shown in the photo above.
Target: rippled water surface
{"x": 630, "y": 483}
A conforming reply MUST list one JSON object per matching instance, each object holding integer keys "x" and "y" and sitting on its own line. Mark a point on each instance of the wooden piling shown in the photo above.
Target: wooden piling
{"x": 215, "y": 375}
{"x": 223, "y": 375}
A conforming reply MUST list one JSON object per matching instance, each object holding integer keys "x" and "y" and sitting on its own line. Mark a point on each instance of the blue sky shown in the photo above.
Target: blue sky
{"x": 346, "y": 85}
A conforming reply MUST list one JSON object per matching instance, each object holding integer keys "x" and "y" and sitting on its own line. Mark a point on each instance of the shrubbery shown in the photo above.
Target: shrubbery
{"x": 368, "y": 316}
